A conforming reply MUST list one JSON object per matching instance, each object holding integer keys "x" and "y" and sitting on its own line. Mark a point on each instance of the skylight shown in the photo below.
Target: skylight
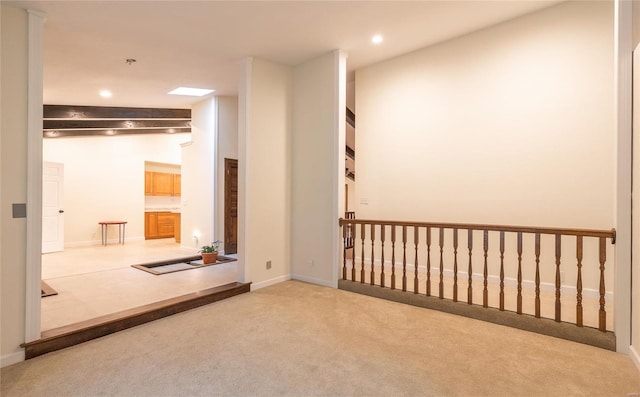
{"x": 191, "y": 91}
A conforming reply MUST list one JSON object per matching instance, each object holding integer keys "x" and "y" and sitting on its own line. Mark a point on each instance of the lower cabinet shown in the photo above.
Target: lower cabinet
{"x": 176, "y": 226}
{"x": 158, "y": 225}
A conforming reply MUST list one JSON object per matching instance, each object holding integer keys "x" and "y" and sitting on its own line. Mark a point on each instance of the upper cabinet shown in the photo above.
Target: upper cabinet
{"x": 161, "y": 184}
{"x": 177, "y": 181}
{"x": 148, "y": 183}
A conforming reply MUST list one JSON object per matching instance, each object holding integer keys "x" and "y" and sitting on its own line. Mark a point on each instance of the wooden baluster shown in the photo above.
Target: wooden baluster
{"x": 404, "y": 258}
{"x": 537, "y": 275}
{"x": 362, "y": 269}
{"x": 519, "y": 305}
{"x": 558, "y": 254}
{"x": 455, "y": 265}
{"x": 393, "y": 256}
{"x": 382, "y": 276}
{"x": 428, "y": 261}
{"x": 502, "y": 271}
{"x": 353, "y": 256}
{"x": 602, "y": 314}
{"x": 485, "y": 291}
{"x": 579, "y": 282}
{"x": 344, "y": 252}
{"x": 416, "y": 234}
{"x": 470, "y": 271}
{"x": 373, "y": 264}
{"x": 441, "y": 286}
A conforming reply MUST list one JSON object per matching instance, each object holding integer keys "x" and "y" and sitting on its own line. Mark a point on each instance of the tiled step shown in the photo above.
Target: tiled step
{"x": 73, "y": 334}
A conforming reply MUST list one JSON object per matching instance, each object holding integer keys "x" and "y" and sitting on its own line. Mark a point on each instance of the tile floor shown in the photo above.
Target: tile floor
{"x": 97, "y": 280}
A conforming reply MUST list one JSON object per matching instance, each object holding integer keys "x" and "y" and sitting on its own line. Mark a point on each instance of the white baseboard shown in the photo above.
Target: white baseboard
{"x": 10, "y": 359}
{"x": 266, "y": 283}
{"x": 635, "y": 357}
{"x": 88, "y": 243}
{"x": 312, "y": 280}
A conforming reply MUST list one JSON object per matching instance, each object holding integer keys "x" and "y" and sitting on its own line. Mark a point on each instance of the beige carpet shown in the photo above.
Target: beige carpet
{"x": 296, "y": 339}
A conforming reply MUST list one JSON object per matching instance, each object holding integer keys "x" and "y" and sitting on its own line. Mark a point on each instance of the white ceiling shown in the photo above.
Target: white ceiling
{"x": 201, "y": 43}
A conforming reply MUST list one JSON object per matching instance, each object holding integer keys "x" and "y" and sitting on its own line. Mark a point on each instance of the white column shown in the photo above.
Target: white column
{"x": 623, "y": 84}
{"x": 34, "y": 175}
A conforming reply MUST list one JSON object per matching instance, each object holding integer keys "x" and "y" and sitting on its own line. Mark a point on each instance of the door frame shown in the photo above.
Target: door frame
{"x": 227, "y": 208}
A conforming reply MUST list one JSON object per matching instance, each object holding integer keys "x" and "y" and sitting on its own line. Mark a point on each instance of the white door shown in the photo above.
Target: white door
{"x": 52, "y": 207}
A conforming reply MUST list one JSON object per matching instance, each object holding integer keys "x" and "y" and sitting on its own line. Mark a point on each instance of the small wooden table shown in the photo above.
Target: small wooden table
{"x": 121, "y": 225}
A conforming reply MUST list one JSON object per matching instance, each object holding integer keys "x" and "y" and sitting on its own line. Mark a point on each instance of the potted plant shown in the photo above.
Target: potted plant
{"x": 209, "y": 253}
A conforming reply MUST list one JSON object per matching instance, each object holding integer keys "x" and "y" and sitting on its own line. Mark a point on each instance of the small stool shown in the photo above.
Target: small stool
{"x": 121, "y": 225}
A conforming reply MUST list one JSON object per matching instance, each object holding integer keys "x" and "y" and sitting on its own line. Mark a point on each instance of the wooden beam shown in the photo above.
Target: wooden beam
{"x": 140, "y": 131}
{"x": 350, "y": 152}
{"x": 106, "y": 112}
{"x": 351, "y": 118}
{"x": 112, "y": 124}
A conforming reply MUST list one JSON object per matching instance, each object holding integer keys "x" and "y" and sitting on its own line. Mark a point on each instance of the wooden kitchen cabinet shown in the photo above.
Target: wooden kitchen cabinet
{"x": 177, "y": 185}
{"x": 150, "y": 225}
{"x": 148, "y": 183}
{"x": 165, "y": 224}
{"x": 176, "y": 226}
{"x": 162, "y": 184}
{"x": 158, "y": 225}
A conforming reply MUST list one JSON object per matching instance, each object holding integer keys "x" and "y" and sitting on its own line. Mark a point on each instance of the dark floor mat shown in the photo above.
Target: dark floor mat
{"x": 180, "y": 264}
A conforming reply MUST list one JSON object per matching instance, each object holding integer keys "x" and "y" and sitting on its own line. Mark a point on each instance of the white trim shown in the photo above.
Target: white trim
{"x": 339, "y": 139}
{"x": 34, "y": 175}
{"x": 12, "y": 358}
{"x": 313, "y": 280}
{"x": 244, "y": 125}
{"x": 273, "y": 281}
{"x": 623, "y": 106}
{"x": 635, "y": 357}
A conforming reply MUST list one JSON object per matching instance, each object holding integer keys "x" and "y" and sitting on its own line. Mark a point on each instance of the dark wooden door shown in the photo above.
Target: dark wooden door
{"x": 230, "y": 206}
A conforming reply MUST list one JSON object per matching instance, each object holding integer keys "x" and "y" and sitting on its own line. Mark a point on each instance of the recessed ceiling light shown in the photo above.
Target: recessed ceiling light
{"x": 377, "y": 39}
{"x": 105, "y": 94}
{"x": 191, "y": 91}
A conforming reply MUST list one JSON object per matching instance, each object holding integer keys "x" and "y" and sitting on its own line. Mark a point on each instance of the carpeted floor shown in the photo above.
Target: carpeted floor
{"x": 297, "y": 339}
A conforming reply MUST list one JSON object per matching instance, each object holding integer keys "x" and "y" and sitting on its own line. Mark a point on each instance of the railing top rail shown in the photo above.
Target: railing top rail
{"x": 498, "y": 228}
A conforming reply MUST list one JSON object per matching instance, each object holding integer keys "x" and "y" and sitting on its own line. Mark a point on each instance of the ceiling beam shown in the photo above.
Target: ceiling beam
{"x": 108, "y": 112}
{"x": 82, "y": 124}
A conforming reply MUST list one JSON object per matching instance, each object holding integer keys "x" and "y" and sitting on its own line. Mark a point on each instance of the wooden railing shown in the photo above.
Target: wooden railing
{"x": 434, "y": 249}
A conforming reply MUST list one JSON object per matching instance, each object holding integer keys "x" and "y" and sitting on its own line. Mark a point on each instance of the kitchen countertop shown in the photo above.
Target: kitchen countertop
{"x": 175, "y": 210}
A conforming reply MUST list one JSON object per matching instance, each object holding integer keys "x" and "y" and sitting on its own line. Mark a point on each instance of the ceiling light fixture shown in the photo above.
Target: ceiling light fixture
{"x": 377, "y": 39}
{"x": 105, "y": 94}
{"x": 191, "y": 91}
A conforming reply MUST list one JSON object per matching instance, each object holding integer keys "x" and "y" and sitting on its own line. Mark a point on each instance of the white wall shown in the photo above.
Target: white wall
{"x": 227, "y": 148}
{"x": 509, "y": 125}
{"x": 13, "y": 179}
{"x": 104, "y": 180}
{"x": 317, "y": 182}
{"x": 198, "y": 176}
{"x": 635, "y": 266}
{"x": 264, "y": 136}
